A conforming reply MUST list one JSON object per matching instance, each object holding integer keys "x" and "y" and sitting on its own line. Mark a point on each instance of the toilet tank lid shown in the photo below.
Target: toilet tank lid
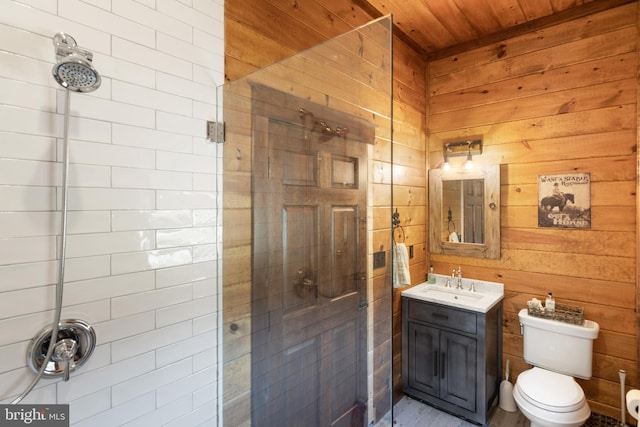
{"x": 589, "y": 329}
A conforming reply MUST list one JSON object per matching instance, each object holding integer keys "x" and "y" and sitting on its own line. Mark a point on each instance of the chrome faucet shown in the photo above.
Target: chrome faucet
{"x": 459, "y": 273}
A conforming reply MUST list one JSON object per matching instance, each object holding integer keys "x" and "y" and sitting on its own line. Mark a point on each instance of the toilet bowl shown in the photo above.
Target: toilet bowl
{"x": 550, "y": 399}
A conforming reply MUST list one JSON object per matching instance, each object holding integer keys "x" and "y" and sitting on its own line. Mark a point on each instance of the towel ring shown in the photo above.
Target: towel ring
{"x": 395, "y": 220}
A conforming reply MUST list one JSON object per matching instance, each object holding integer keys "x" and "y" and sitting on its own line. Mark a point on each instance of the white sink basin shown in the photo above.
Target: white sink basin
{"x": 485, "y": 296}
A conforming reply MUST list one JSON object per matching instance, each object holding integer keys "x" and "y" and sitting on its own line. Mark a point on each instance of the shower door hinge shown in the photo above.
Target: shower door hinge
{"x": 215, "y": 132}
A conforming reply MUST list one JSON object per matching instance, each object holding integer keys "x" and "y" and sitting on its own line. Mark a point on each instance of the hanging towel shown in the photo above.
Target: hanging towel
{"x": 401, "y": 275}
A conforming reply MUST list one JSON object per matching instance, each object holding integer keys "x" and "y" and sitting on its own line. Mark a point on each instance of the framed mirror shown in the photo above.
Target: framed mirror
{"x": 464, "y": 212}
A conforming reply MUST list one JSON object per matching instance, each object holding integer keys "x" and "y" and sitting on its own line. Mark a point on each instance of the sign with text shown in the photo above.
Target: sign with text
{"x": 564, "y": 201}
{"x": 34, "y": 415}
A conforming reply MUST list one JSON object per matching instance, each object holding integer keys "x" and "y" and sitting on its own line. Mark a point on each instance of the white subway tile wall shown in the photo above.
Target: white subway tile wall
{"x": 144, "y": 225}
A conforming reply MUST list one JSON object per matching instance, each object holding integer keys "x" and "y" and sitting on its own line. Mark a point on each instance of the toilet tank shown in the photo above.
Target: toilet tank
{"x": 558, "y": 346}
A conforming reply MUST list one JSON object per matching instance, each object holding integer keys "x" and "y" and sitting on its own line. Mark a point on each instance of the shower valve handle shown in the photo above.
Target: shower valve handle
{"x": 65, "y": 352}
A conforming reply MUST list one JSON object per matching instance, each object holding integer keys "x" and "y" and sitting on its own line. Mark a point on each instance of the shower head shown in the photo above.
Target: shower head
{"x": 74, "y": 70}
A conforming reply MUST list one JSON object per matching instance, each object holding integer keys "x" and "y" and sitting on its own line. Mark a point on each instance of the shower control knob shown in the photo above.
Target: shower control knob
{"x": 65, "y": 352}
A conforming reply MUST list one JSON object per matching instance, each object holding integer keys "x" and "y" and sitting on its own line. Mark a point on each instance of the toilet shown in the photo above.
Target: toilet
{"x": 547, "y": 394}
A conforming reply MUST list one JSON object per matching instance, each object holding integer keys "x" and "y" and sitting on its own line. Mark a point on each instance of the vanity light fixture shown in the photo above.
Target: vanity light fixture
{"x": 461, "y": 148}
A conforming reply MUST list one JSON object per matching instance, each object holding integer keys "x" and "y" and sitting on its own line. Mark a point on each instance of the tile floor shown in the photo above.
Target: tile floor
{"x": 413, "y": 413}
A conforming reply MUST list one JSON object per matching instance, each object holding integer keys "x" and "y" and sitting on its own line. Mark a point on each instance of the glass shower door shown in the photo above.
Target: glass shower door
{"x": 307, "y": 336}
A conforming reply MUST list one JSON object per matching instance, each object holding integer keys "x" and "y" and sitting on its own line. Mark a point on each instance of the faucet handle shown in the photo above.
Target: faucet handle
{"x": 472, "y": 288}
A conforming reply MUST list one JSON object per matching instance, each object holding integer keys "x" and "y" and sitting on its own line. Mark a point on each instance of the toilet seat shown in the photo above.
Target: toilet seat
{"x": 550, "y": 391}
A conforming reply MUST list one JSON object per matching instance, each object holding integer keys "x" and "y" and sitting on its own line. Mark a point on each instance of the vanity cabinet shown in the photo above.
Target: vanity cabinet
{"x": 451, "y": 357}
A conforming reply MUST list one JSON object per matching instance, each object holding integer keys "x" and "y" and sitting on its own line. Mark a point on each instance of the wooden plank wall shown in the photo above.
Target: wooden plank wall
{"x": 558, "y": 100}
{"x": 259, "y": 33}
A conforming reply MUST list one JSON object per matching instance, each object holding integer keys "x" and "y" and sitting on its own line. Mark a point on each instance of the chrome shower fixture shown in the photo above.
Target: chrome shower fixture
{"x": 74, "y": 69}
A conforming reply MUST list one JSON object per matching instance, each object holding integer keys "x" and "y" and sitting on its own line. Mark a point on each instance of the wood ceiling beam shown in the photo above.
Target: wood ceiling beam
{"x": 524, "y": 28}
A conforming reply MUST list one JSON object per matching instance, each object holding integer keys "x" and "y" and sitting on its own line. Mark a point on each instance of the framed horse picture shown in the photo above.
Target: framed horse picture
{"x": 564, "y": 201}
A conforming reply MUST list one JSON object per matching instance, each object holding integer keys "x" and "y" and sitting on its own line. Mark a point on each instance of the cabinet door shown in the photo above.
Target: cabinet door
{"x": 458, "y": 370}
{"x": 423, "y": 358}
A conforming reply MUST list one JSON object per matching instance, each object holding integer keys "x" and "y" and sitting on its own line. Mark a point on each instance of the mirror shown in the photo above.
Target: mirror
{"x": 464, "y": 212}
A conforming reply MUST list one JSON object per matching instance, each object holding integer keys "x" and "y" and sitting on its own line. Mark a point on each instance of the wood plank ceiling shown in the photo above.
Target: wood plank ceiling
{"x": 440, "y": 28}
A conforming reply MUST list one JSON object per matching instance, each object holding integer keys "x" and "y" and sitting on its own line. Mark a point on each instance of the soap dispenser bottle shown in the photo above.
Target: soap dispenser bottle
{"x": 431, "y": 278}
{"x": 550, "y": 304}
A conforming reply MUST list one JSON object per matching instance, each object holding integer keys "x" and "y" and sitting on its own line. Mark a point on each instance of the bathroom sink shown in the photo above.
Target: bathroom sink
{"x": 485, "y": 296}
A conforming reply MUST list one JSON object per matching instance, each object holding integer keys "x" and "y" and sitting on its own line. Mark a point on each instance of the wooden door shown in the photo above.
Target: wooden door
{"x": 473, "y": 202}
{"x": 308, "y": 355}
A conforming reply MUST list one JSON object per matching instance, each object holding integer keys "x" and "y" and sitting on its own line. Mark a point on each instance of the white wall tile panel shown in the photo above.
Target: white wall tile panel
{"x": 47, "y": 24}
{"x": 97, "y": 379}
{"x": 181, "y": 387}
{"x": 86, "y": 406}
{"x": 152, "y": 139}
{"x": 103, "y": 109}
{"x": 204, "y": 217}
{"x": 126, "y": 71}
{"x": 91, "y": 312}
{"x": 204, "y": 396}
{"x": 203, "y": 253}
{"x": 150, "y": 260}
{"x": 143, "y": 224}
{"x": 136, "y": 386}
{"x": 154, "y": 59}
{"x": 33, "y": 300}
{"x": 186, "y": 348}
{"x": 180, "y": 124}
{"x": 187, "y": 14}
{"x": 184, "y": 311}
{"x": 185, "y": 274}
{"x": 205, "y": 359}
{"x": 31, "y": 147}
{"x": 111, "y": 155}
{"x": 145, "y": 220}
{"x": 88, "y": 176}
{"x": 151, "y": 18}
{"x": 201, "y": 416}
{"x": 27, "y": 249}
{"x": 29, "y": 70}
{"x": 194, "y": 89}
{"x": 204, "y": 288}
{"x": 30, "y": 45}
{"x": 160, "y": 416}
{"x": 124, "y": 327}
{"x": 46, "y": 6}
{"x": 146, "y": 97}
{"x": 147, "y": 341}
{"x": 128, "y": 305}
{"x": 204, "y": 182}
{"x": 121, "y": 414}
{"x": 27, "y": 95}
{"x": 183, "y": 162}
{"x": 147, "y": 178}
{"x": 185, "y": 199}
{"x": 27, "y": 198}
{"x": 84, "y": 268}
{"x": 106, "y": 21}
{"x": 182, "y": 237}
{"x": 107, "y": 287}
{"x": 98, "y": 199}
{"x": 108, "y": 243}
{"x": 13, "y": 356}
{"x": 204, "y": 324}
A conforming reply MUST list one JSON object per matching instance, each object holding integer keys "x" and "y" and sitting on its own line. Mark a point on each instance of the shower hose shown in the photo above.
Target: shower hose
{"x": 62, "y": 249}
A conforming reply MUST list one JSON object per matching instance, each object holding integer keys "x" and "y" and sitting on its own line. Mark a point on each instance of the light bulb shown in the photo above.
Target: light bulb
{"x": 469, "y": 163}
{"x": 446, "y": 166}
